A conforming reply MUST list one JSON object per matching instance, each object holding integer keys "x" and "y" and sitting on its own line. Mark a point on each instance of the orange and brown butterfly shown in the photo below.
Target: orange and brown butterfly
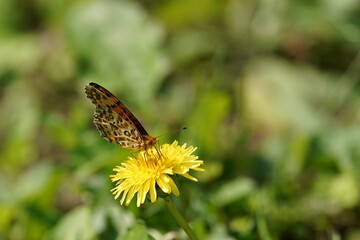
{"x": 115, "y": 122}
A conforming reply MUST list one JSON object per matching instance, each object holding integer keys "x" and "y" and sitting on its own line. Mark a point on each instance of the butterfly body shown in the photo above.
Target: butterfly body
{"x": 115, "y": 122}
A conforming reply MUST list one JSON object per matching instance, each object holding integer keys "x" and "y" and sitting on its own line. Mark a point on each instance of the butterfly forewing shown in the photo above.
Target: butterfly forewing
{"x": 115, "y": 122}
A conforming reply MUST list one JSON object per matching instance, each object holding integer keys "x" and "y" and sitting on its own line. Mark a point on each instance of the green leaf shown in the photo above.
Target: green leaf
{"x": 233, "y": 190}
{"x": 76, "y": 225}
{"x": 121, "y": 44}
{"x": 137, "y": 232}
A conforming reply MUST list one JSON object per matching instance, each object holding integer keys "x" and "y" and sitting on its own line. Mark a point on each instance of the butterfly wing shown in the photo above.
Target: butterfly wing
{"x": 113, "y": 120}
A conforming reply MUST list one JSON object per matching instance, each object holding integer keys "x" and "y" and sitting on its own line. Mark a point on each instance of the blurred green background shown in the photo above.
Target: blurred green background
{"x": 269, "y": 92}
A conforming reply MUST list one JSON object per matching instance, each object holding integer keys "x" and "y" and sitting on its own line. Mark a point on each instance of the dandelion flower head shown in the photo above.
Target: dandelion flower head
{"x": 153, "y": 169}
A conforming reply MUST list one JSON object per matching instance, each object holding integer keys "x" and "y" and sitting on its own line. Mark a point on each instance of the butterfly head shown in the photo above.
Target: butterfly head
{"x": 149, "y": 141}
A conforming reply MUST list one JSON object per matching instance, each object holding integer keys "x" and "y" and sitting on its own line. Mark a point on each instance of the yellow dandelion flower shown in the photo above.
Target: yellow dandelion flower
{"x": 153, "y": 168}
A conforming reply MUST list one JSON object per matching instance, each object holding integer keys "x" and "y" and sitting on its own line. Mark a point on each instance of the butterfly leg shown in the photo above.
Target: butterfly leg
{"x": 132, "y": 153}
{"x": 138, "y": 151}
{"x": 158, "y": 150}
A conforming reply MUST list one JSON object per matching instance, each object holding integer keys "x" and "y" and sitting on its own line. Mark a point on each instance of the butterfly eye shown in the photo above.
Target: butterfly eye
{"x": 126, "y": 133}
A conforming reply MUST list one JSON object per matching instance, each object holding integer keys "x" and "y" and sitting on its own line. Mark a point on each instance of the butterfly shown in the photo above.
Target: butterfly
{"x": 115, "y": 122}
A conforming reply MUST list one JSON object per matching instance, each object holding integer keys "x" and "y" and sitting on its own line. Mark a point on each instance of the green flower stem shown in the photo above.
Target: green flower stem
{"x": 179, "y": 218}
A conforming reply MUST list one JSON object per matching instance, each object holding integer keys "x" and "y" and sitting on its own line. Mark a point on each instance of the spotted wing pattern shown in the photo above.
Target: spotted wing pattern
{"x": 115, "y": 122}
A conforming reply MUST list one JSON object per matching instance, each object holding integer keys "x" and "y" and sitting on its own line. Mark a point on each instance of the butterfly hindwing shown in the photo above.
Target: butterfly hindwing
{"x": 115, "y": 122}
{"x": 115, "y": 129}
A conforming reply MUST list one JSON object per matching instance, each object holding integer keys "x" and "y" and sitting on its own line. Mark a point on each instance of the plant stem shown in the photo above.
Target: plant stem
{"x": 179, "y": 218}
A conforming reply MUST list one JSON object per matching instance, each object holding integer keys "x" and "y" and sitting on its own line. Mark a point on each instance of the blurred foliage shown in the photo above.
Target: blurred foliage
{"x": 269, "y": 91}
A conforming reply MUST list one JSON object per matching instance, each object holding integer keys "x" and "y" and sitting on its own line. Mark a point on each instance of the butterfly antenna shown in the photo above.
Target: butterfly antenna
{"x": 174, "y": 131}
